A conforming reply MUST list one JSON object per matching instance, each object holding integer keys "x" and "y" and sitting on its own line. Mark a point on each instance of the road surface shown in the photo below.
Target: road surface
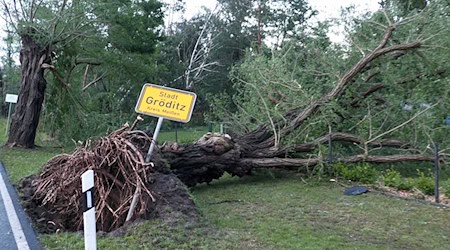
{"x": 16, "y": 232}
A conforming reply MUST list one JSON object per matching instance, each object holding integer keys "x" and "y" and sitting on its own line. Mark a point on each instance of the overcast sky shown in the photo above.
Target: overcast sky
{"x": 327, "y": 9}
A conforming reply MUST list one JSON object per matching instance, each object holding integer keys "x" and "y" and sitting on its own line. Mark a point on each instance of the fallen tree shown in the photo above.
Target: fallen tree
{"x": 54, "y": 195}
{"x": 214, "y": 154}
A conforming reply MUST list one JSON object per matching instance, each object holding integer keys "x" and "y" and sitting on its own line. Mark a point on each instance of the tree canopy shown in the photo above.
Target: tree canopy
{"x": 250, "y": 62}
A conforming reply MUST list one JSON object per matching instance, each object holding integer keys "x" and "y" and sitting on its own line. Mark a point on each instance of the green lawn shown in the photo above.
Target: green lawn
{"x": 184, "y": 135}
{"x": 280, "y": 211}
{"x": 269, "y": 210}
{"x": 23, "y": 162}
{"x": 283, "y": 212}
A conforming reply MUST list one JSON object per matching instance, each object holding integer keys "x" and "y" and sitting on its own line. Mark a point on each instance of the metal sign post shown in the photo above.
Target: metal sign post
{"x": 164, "y": 103}
{"x": 90, "y": 230}
{"x": 147, "y": 159}
{"x": 10, "y": 98}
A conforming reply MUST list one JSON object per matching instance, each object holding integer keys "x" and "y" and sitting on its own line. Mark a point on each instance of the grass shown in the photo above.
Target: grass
{"x": 283, "y": 212}
{"x": 268, "y": 210}
{"x": 20, "y": 163}
{"x": 184, "y": 135}
{"x": 153, "y": 235}
{"x": 24, "y": 162}
{"x": 278, "y": 210}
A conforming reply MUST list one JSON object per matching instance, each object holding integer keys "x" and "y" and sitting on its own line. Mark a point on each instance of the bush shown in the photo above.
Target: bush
{"x": 407, "y": 184}
{"x": 392, "y": 178}
{"x": 446, "y": 185}
{"x": 425, "y": 183}
{"x": 362, "y": 172}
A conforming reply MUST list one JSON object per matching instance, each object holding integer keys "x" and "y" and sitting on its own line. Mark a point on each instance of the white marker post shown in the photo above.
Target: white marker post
{"x": 10, "y": 98}
{"x": 90, "y": 231}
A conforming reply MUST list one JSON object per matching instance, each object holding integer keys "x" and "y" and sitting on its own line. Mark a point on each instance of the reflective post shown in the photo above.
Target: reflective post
{"x": 90, "y": 231}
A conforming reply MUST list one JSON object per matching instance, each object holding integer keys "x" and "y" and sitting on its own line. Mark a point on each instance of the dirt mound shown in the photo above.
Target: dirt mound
{"x": 53, "y": 199}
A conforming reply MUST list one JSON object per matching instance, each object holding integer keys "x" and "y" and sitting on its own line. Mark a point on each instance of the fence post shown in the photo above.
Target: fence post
{"x": 436, "y": 173}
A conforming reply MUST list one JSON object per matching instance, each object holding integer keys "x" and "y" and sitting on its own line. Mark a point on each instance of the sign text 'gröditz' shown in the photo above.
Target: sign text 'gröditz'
{"x": 169, "y": 103}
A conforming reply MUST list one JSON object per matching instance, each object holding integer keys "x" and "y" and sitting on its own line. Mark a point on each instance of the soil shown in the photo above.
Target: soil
{"x": 172, "y": 203}
{"x": 416, "y": 195}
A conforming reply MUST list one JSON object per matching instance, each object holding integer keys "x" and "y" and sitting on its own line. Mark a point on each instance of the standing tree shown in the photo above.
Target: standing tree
{"x": 41, "y": 26}
{"x": 203, "y": 50}
{"x": 10, "y": 70}
{"x": 103, "y": 73}
{"x": 53, "y": 34}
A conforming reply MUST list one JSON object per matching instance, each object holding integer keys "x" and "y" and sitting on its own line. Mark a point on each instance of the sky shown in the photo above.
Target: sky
{"x": 327, "y": 9}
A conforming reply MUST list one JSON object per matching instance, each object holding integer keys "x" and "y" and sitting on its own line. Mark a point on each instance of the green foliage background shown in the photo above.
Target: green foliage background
{"x": 249, "y": 83}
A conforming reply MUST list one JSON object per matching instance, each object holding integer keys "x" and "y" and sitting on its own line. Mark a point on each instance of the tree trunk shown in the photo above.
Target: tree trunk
{"x": 214, "y": 154}
{"x": 31, "y": 94}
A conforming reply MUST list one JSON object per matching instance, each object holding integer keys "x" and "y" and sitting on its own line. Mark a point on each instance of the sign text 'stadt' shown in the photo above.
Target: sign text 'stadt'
{"x": 169, "y": 103}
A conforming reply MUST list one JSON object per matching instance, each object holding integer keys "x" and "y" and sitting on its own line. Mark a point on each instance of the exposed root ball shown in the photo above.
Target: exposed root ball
{"x": 119, "y": 167}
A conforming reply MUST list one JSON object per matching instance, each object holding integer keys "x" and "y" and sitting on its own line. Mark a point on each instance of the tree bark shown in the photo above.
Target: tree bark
{"x": 214, "y": 154}
{"x": 31, "y": 93}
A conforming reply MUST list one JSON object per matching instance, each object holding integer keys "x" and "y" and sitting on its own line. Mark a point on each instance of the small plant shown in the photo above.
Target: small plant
{"x": 393, "y": 178}
{"x": 362, "y": 172}
{"x": 447, "y": 188}
{"x": 425, "y": 183}
{"x": 407, "y": 184}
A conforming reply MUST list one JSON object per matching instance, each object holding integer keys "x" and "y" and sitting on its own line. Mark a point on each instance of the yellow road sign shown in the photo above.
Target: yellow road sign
{"x": 169, "y": 103}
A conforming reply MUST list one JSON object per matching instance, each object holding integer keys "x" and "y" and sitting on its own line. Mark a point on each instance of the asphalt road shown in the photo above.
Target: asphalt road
{"x": 16, "y": 230}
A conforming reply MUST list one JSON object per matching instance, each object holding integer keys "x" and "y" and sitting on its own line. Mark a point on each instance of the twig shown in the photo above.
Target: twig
{"x": 401, "y": 125}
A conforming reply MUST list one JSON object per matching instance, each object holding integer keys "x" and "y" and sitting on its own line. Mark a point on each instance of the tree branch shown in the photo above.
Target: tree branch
{"x": 294, "y": 163}
{"x": 93, "y": 82}
{"x": 401, "y": 125}
{"x": 55, "y": 73}
{"x": 362, "y": 96}
{"x": 347, "y": 77}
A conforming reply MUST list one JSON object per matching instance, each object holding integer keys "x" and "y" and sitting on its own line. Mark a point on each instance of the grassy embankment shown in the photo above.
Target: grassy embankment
{"x": 270, "y": 210}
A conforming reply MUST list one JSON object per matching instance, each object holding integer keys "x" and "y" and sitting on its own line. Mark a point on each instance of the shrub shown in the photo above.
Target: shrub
{"x": 447, "y": 188}
{"x": 407, "y": 184}
{"x": 425, "y": 183}
{"x": 393, "y": 178}
{"x": 362, "y": 172}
